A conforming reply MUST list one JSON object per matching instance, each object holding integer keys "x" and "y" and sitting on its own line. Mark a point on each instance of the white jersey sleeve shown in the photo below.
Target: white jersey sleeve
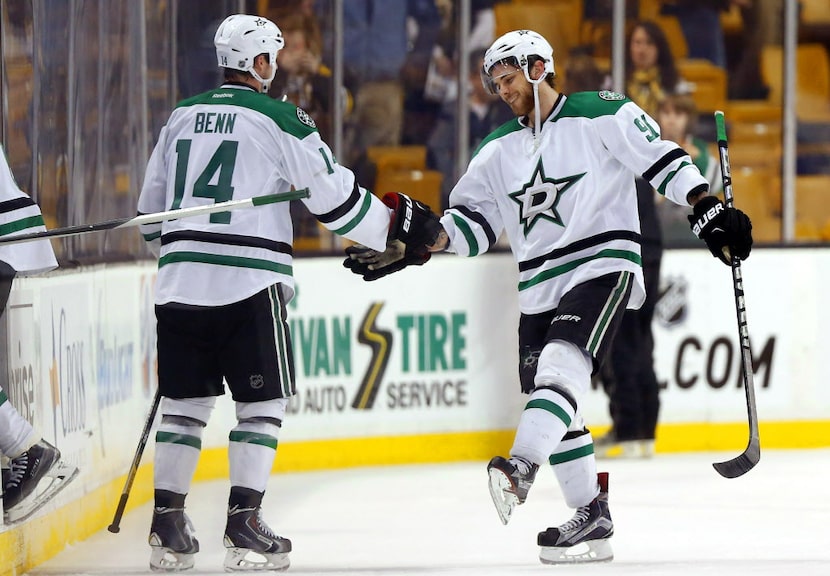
{"x": 335, "y": 198}
{"x": 153, "y": 192}
{"x": 633, "y": 137}
{"x": 20, "y": 215}
{"x": 473, "y": 221}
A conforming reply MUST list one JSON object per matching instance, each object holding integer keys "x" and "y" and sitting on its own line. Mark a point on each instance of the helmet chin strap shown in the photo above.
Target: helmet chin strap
{"x": 264, "y": 82}
{"x": 537, "y": 112}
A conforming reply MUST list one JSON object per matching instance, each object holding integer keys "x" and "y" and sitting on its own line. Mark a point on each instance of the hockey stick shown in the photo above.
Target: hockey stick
{"x": 125, "y": 493}
{"x": 745, "y": 461}
{"x": 155, "y": 217}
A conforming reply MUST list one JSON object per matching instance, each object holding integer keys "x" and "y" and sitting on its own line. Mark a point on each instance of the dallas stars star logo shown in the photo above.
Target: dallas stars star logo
{"x": 538, "y": 198}
{"x": 260, "y": 22}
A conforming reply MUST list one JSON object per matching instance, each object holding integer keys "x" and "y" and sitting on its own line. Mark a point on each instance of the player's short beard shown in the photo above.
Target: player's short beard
{"x": 523, "y": 105}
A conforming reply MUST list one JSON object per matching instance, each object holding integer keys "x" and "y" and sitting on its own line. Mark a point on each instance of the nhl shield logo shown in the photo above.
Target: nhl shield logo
{"x": 257, "y": 381}
{"x": 671, "y": 308}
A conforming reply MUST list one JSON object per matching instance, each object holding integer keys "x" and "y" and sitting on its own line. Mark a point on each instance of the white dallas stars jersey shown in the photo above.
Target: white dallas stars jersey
{"x": 234, "y": 143}
{"x": 20, "y": 215}
{"x": 568, "y": 207}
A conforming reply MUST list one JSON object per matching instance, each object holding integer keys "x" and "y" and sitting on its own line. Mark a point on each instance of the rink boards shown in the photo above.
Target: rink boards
{"x": 417, "y": 367}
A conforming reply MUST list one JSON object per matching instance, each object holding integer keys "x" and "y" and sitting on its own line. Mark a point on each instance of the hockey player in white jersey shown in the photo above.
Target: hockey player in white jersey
{"x": 224, "y": 282}
{"x": 33, "y": 471}
{"x": 559, "y": 182}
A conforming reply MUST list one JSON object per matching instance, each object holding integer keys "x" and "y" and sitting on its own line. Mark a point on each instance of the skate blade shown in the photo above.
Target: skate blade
{"x": 501, "y": 491}
{"x": 584, "y": 552}
{"x": 59, "y": 476}
{"x": 165, "y": 560}
{"x": 245, "y": 560}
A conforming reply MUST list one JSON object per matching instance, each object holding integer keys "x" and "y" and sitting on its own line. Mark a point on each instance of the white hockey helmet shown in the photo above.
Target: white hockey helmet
{"x": 240, "y": 38}
{"x": 516, "y": 49}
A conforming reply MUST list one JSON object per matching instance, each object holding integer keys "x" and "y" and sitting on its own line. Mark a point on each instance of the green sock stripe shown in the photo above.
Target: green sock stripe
{"x": 571, "y": 455}
{"x": 184, "y": 439}
{"x": 551, "y": 407}
{"x": 254, "y": 438}
{"x": 3, "y": 397}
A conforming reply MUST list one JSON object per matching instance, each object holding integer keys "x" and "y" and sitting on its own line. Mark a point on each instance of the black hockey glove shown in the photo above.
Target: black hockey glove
{"x": 725, "y": 230}
{"x": 372, "y": 264}
{"x": 413, "y": 223}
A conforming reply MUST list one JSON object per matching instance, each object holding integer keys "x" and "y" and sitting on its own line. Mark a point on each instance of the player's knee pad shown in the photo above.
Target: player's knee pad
{"x": 262, "y": 417}
{"x": 187, "y": 411}
{"x": 564, "y": 365}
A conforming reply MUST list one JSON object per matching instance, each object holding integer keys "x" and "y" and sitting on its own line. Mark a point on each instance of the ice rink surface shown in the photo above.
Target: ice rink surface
{"x": 673, "y": 514}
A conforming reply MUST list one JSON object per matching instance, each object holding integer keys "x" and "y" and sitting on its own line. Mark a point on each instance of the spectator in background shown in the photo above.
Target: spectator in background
{"x": 305, "y": 82}
{"x": 303, "y": 16}
{"x": 441, "y": 82}
{"x": 303, "y": 79}
{"x": 486, "y": 114}
{"x": 761, "y": 25}
{"x": 582, "y": 73}
{"x": 700, "y": 22}
{"x": 650, "y": 69}
{"x": 382, "y": 67}
{"x": 677, "y": 117}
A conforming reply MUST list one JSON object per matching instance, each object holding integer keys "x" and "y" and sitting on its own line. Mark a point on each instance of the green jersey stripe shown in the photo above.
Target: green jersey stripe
{"x": 469, "y": 236}
{"x": 223, "y": 260}
{"x": 364, "y": 208}
{"x": 568, "y": 266}
{"x": 22, "y": 224}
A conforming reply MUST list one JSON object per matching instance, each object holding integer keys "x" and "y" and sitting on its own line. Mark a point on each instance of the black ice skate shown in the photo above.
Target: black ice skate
{"x": 251, "y": 544}
{"x": 583, "y": 538}
{"x": 172, "y": 541}
{"x": 508, "y": 485}
{"x": 32, "y": 479}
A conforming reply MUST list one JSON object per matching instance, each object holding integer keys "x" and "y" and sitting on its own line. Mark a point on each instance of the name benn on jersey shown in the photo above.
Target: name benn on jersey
{"x": 214, "y": 123}
{"x": 539, "y": 197}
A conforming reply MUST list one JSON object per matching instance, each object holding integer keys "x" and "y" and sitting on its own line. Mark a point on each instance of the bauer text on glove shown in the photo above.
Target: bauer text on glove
{"x": 413, "y": 223}
{"x": 725, "y": 230}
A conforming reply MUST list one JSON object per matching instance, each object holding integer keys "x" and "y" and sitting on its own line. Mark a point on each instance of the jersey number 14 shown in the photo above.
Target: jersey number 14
{"x": 223, "y": 161}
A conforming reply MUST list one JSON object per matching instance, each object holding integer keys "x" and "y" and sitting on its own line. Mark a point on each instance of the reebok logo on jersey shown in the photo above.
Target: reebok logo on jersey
{"x": 710, "y": 214}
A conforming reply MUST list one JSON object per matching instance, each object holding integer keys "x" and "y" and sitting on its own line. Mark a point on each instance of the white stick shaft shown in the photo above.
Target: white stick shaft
{"x": 156, "y": 217}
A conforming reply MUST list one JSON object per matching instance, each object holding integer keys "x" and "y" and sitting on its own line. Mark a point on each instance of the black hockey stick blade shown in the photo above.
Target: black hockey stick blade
{"x": 743, "y": 463}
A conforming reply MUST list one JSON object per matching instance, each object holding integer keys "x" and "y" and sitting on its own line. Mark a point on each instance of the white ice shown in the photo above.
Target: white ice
{"x": 673, "y": 514}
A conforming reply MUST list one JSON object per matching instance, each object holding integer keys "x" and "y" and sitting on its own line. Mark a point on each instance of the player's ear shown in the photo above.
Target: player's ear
{"x": 537, "y": 70}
